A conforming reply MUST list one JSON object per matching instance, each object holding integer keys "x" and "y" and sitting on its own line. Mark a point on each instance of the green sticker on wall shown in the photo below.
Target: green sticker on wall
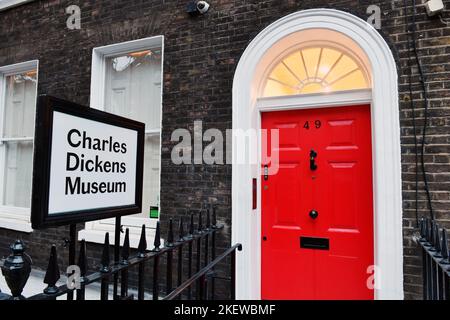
{"x": 154, "y": 212}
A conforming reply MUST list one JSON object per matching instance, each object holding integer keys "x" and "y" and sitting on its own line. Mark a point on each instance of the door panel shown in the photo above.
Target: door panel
{"x": 339, "y": 190}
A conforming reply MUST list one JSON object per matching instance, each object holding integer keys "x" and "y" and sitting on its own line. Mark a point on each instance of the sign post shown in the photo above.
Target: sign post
{"x": 88, "y": 164}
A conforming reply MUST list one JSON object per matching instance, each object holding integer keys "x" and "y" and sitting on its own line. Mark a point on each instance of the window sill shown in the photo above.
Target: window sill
{"x": 16, "y": 225}
{"x": 98, "y": 236}
{"x": 6, "y": 4}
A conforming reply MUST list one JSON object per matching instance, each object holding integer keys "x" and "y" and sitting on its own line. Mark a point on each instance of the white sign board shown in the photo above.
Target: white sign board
{"x": 93, "y": 165}
{"x": 94, "y": 161}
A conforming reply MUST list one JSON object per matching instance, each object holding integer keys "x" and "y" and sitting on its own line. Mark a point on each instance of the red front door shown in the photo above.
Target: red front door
{"x": 317, "y": 210}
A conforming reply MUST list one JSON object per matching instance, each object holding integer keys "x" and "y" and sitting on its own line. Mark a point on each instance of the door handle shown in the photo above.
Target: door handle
{"x": 312, "y": 160}
{"x": 313, "y": 214}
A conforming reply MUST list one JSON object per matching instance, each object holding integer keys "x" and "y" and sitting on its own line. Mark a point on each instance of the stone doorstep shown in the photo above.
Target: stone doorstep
{"x": 36, "y": 285}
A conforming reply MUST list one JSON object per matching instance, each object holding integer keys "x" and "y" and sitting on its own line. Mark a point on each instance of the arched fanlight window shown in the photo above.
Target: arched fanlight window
{"x": 315, "y": 70}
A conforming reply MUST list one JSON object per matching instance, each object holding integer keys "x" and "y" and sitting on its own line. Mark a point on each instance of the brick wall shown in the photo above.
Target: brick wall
{"x": 200, "y": 58}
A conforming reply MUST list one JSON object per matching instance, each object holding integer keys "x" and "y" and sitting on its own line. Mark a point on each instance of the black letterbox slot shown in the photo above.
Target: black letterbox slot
{"x": 315, "y": 243}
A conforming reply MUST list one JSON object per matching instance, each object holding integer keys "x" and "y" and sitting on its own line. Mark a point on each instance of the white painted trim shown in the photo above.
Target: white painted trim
{"x": 19, "y": 67}
{"x": 20, "y": 213}
{"x": 94, "y": 231}
{"x": 13, "y": 218}
{"x": 316, "y": 100}
{"x": 98, "y": 64}
{"x": 16, "y": 139}
{"x": 385, "y": 135}
{"x": 15, "y": 224}
{"x": 6, "y": 4}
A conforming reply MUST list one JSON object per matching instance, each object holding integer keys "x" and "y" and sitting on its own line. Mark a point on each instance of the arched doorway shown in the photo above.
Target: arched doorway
{"x": 341, "y": 61}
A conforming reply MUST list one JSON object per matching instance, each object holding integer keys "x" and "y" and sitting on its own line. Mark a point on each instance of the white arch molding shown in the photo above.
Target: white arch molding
{"x": 246, "y": 222}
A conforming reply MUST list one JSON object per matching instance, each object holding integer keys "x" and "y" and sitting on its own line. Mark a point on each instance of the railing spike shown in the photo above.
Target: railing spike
{"x": 437, "y": 240}
{"x": 105, "y": 263}
{"x": 181, "y": 230}
{"x": 430, "y": 232}
{"x": 191, "y": 225}
{"x": 170, "y": 234}
{"x": 214, "y": 217}
{"x": 200, "y": 223}
{"x": 208, "y": 219}
{"x": 142, "y": 247}
{"x": 444, "y": 246}
{"x": 82, "y": 259}
{"x": 422, "y": 228}
{"x": 126, "y": 247}
{"x": 157, "y": 242}
{"x": 432, "y": 229}
{"x": 52, "y": 274}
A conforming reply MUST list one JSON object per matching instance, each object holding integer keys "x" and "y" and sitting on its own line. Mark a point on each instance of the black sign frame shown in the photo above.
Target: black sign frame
{"x": 40, "y": 217}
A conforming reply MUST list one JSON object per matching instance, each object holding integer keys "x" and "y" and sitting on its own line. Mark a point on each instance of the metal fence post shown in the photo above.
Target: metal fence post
{"x": 180, "y": 253}
{"x": 169, "y": 261}
{"x": 124, "y": 274}
{"x": 72, "y": 249}
{"x": 233, "y": 276}
{"x": 213, "y": 250}
{"x": 446, "y": 264}
{"x": 82, "y": 264}
{"x": 190, "y": 237}
{"x": 105, "y": 268}
{"x": 117, "y": 231}
{"x": 157, "y": 244}
{"x": 142, "y": 247}
{"x": 201, "y": 293}
{"x": 199, "y": 247}
{"x": 16, "y": 269}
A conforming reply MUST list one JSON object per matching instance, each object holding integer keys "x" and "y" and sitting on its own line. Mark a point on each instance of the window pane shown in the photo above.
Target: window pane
{"x": 312, "y": 57}
{"x": 133, "y": 86}
{"x": 295, "y": 63}
{"x": 315, "y": 70}
{"x": 284, "y": 75}
{"x": 356, "y": 79}
{"x": 20, "y": 105}
{"x": 274, "y": 88}
{"x": 344, "y": 66}
{"x": 133, "y": 90}
{"x": 18, "y": 169}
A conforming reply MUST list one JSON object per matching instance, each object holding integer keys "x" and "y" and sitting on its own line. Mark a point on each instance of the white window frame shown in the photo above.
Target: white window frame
{"x": 6, "y": 4}
{"x": 13, "y": 218}
{"x": 95, "y": 231}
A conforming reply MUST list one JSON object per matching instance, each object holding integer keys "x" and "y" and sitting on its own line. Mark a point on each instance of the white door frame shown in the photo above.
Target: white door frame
{"x": 246, "y": 222}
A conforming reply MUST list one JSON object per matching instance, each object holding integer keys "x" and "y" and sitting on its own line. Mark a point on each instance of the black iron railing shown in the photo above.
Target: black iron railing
{"x": 201, "y": 277}
{"x": 436, "y": 261}
{"x": 201, "y": 250}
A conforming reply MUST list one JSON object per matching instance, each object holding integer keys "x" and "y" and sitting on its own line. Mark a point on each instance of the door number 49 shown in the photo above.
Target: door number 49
{"x": 317, "y": 124}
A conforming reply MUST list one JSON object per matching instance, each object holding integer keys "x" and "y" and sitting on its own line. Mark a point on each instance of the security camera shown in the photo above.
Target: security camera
{"x": 434, "y": 7}
{"x": 202, "y": 7}
{"x": 195, "y": 8}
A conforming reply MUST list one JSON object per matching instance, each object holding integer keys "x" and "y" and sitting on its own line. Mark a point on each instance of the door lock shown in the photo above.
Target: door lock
{"x": 313, "y": 214}
{"x": 312, "y": 160}
{"x": 266, "y": 172}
